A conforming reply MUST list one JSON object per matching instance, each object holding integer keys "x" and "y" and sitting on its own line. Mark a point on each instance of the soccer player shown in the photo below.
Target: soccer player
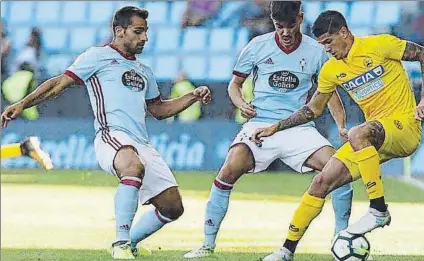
{"x": 284, "y": 64}
{"x": 370, "y": 70}
{"x": 120, "y": 88}
{"x": 30, "y": 147}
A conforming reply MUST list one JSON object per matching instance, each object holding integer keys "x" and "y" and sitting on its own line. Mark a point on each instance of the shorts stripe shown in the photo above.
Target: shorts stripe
{"x": 101, "y": 114}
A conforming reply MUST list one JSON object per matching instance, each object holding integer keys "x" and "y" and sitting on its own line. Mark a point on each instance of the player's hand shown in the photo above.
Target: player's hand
{"x": 263, "y": 132}
{"x": 419, "y": 112}
{"x": 247, "y": 110}
{"x": 343, "y": 134}
{"x": 10, "y": 113}
{"x": 203, "y": 94}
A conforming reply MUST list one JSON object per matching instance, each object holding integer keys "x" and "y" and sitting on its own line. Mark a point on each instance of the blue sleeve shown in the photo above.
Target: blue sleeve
{"x": 152, "y": 86}
{"x": 245, "y": 61}
{"x": 84, "y": 66}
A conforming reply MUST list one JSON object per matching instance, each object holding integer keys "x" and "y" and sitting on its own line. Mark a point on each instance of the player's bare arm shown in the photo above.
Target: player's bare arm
{"x": 162, "y": 109}
{"x": 235, "y": 93}
{"x": 338, "y": 113}
{"x": 49, "y": 89}
{"x": 415, "y": 52}
{"x": 307, "y": 113}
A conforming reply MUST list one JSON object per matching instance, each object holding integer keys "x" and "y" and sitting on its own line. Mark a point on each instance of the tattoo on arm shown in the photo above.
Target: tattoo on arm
{"x": 415, "y": 52}
{"x": 302, "y": 116}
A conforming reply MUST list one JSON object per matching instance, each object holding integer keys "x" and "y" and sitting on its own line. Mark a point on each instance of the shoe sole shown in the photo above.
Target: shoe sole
{"x": 39, "y": 155}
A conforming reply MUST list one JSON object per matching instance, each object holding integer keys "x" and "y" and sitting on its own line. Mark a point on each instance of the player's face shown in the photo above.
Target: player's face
{"x": 135, "y": 35}
{"x": 336, "y": 44}
{"x": 288, "y": 32}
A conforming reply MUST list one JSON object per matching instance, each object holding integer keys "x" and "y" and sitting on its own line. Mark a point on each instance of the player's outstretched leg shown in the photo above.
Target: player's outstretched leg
{"x": 168, "y": 208}
{"x": 31, "y": 147}
{"x": 334, "y": 175}
{"x": 130, "y": 170}
{"x": 365, "y": 140}
{"x": 239, "y": 160}
{"x": 341, "y": 197}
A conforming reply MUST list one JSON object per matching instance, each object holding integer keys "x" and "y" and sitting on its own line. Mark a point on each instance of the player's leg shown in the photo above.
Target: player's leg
{"x": 30, "y": 147}
{"x": 334, "y": 175}
{"x": 168, "y": 207}
{"x": 130, "y": 171}
{"x": 239, "y": 160}
{"x": 341, "y": 197}
{"x": 393, "y": 138}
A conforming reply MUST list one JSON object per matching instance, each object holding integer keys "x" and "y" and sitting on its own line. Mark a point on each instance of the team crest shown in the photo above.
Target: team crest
{"x": 303, "y": 64}
{"x": 133, "y": 81}
{"x": 398, "y": 124}
{"x": 368, "y": 62}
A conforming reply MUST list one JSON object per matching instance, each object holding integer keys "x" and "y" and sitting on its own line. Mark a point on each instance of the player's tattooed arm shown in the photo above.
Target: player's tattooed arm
{"x": 415, "y": 52}
{"x": 49, "y": 89}
{"x": 307, "y": 113}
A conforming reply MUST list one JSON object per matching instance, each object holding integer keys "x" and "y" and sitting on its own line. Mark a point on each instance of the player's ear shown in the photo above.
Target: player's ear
{"x": 301, "y": 15}
{"x": 119, "y": 31}
{"x": 344, "y": 32}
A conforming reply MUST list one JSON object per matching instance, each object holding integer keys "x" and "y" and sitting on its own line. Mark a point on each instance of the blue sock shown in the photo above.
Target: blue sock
{"x": 149, "y": 223}
{"x": 216, "y": 209}
{"x": 126, "y": 204}
{"x": 342, "y": 204}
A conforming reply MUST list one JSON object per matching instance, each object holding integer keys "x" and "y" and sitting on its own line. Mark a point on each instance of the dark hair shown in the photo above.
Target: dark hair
{"x": 35, "y": 40}
{"x": 285, "y": 11}
{"x": 328, "y": 22}
{"x": 123, "y": 16}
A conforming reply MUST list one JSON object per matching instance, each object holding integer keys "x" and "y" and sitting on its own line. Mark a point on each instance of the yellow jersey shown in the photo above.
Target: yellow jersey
{"x": 373, "y": 75}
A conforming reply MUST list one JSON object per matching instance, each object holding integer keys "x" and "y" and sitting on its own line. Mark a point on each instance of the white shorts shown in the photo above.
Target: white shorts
{"x": 157, "y": 177}
{"x": 292, "y": 146}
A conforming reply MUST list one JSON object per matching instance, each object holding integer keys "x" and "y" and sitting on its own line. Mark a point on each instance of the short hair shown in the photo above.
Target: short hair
{"x": 328, "y": 22}
{"x": 123, "y": 16}
{"x": 285, "y": 11}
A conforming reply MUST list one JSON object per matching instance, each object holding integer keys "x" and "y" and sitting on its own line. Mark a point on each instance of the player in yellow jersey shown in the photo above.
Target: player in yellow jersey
{"x": 30, "y": 147}
{"x": 370, "y": 70}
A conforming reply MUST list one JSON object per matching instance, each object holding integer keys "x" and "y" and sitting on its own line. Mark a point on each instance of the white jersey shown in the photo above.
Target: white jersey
{"x": 281, "y": 78}
{"x": 118, "y": 87}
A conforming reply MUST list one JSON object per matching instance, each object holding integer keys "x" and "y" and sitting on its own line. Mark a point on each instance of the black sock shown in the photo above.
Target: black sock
{"x": 379, "y": 204}
{"x": 290, "y": 245}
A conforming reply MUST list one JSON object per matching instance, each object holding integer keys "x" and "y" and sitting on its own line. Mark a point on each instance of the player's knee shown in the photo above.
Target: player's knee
{"x": 358, "y": 136}
{"x": 320, "y": 186}
{"x": 229, "y": 174}
{"x": 173, "y": 211}
{"x": 128, "y": 163}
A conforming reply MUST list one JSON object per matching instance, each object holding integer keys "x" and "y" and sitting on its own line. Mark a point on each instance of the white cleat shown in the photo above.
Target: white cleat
{"x": 141, "y": 250}
{"x": 371, "y": 220}
{"x": 281, "y": 254}
{"x": 121, "y": 251}
{"x": 31, "y": 147}
{"x": 200, "y": 252}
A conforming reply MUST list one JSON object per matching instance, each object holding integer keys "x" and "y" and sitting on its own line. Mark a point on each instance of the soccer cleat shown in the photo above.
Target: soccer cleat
{"x": 370, "y": 221}
{"x": 281, "y": 254}
{"x": 121, "y": 250}
{"x": 31, "y": 147}
{"x": 200, "y": 252}
{"x": 141, "y": 251}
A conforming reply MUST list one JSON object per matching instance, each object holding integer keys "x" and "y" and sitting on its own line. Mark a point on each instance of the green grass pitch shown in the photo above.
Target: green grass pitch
{"x": 68, "y": 215}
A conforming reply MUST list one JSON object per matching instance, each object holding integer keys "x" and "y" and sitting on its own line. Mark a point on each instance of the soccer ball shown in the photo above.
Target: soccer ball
{"x": 348, "y": 247}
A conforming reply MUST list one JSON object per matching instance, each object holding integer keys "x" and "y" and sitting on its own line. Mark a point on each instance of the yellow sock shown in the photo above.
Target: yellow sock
{"x": 308, "y": 210}
{"x": 11, "y": 150}
{"x": 369, "y": 165}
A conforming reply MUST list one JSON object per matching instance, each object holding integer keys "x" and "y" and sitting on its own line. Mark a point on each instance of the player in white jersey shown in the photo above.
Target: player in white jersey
{"x": 284, "y": 65}
{"x": 121, "y": 87}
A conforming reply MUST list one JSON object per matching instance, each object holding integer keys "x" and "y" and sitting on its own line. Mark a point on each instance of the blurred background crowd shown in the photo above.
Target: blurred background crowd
{"x": 190, "y": 43}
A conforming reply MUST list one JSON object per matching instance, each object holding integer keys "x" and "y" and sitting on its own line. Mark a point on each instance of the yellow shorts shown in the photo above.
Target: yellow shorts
{"x": 402, "y": 137}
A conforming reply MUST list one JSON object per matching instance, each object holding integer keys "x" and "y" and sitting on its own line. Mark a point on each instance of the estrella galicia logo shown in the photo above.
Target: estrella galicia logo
{"x": 364, "y": 78}
{"x": 133, "y": 81}
{"x": 283, "y": 81}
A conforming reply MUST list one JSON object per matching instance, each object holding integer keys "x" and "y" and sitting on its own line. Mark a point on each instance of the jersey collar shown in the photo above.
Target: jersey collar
{"x": 286, "y": 50}
{"x": 132, "y": 58}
